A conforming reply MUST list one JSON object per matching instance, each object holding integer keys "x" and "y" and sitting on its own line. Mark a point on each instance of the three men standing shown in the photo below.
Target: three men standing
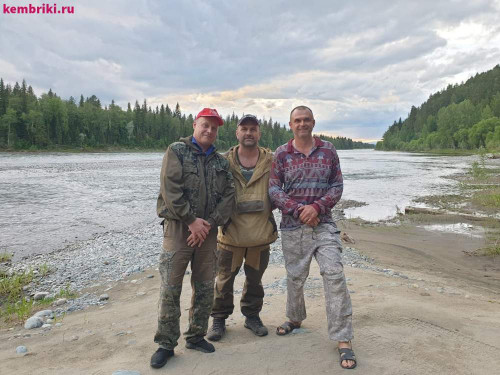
{"x": 248, "y": 233}
{"x": 306, "y": 183}
{"x": 196, "y": 196}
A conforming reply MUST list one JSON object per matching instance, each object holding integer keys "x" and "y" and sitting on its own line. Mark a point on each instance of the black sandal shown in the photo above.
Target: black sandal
{"x": 347, "y": 354}
{"x": 287, "y": 327}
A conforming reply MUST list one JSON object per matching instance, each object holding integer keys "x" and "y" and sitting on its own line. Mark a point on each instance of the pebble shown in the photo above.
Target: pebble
{"x": 33, "y": 322}
{"x": 40, "y": 296}
{"x": 58, "y": 325}
{"x": 60, "y": 302}
{"x": 73, "y": 338}
{"x": 126, "y": 372}
{"x": 425, "y": 294}
{"x": 85, "y": 263}
{"x": 103, "y": 297}
{"x": 47, "y": 326}
{"x": 298, "y": 331}
{"x": 416, "y": 286}
{"x": 21, "y": 349}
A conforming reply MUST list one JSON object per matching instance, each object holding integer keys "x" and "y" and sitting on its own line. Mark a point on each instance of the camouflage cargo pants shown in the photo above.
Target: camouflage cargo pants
{"x": 174, "y": 260}
{"x": 322, "y": 242}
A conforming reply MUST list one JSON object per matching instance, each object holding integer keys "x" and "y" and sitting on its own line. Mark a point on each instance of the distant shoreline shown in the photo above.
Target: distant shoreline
{"x": 108, "y": 150}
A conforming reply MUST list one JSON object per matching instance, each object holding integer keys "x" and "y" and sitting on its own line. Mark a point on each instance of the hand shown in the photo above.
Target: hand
{"x": 307, "y": 213}
{"x": 199, "y": 229}
{"x": 192, "y": 241}
{"x": 313, "y": 222}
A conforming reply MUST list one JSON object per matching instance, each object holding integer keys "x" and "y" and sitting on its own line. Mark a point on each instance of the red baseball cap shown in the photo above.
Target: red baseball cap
{"x": 209, "y": 112}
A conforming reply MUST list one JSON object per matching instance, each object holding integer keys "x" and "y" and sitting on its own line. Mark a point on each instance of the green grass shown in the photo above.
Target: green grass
{"x": 5, "y": 257}
{"x": 493, "y": 249}
{"x": 44, "y": 270}
{"x": 12, "y": 298}
{"x": 13, "y": 302}
{"x": 489, "y": 199}
{"x": 11, "y": 287}
{"x": 21, "y": 309}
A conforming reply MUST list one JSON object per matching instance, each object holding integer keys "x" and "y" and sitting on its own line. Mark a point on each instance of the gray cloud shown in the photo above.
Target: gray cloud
{"x": 363, "y": 64}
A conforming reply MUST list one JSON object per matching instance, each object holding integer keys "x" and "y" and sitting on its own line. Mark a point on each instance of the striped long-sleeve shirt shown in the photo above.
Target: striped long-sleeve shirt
{"x": 297, "y": 180}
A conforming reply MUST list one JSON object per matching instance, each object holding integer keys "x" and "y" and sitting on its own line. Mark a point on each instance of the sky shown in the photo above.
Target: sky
{"x": 359, "y": 65}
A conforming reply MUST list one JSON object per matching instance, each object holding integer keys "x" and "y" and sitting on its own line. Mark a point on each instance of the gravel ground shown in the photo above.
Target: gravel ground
{"x": 112, "y": 256}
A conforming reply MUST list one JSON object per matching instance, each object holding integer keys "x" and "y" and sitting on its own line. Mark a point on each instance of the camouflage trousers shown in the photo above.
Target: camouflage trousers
{"x": 174, "y": 260}
{"x": 322, "y": 242}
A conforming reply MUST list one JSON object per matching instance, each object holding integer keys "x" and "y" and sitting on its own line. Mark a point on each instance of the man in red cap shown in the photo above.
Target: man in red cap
{"x": 196, "y": 196}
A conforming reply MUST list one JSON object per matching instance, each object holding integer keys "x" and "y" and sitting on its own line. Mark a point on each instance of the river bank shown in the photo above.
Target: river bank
{"x": 421, "y": 305}
{"x": 425, "y": 299}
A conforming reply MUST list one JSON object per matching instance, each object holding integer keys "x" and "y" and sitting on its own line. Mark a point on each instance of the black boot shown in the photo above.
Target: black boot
{"x": 202, "y": 346}
{"x": 160, "y": 357}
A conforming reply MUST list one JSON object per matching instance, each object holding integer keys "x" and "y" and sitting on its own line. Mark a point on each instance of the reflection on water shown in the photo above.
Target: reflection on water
{"x": 49, "y": 201}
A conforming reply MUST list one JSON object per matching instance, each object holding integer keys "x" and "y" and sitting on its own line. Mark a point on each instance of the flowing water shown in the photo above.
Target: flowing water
{"x": 51, "y": 200}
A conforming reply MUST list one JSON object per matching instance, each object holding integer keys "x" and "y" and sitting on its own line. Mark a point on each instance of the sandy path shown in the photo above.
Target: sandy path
{"x": 431, "y": 323}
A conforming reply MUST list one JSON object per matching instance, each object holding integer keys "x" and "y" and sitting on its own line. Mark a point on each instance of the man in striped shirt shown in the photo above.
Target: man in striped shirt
{"x": 305, "y": 184}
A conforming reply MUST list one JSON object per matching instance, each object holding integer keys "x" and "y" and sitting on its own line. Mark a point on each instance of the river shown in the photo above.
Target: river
{"x": 51, "y": 200}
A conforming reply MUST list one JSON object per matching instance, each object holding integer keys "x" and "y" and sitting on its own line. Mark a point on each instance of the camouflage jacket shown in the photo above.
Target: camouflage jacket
{"x": 195, "y": 185}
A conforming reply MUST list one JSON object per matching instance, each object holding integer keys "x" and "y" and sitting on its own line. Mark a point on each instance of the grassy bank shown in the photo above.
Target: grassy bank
{"x": 16, "y": 301}
{"x": 478, "y": 203}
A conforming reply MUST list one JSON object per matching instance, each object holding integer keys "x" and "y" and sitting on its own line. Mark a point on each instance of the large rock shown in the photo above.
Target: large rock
{"x": 33, "y": 322}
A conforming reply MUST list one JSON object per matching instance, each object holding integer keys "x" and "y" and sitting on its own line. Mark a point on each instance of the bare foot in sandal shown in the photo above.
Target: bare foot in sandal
{"x": 345, "y": 351}
{"x": 287, "y": 327}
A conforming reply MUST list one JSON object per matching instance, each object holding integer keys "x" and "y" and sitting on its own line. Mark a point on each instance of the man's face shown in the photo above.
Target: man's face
{"x": 302, "y": 123}
{"x": 248, "y": 134}
{"x": 205, "y": 131}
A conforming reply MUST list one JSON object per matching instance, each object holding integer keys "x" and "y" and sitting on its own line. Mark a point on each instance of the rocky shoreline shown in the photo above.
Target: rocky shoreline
{"x": 90, "y": 268}
{"x": 93, "y": 264}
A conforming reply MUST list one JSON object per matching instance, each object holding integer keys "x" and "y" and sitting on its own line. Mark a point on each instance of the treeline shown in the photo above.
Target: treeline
{"x": 28, "y": 122}
{"x": 465, "y": 116}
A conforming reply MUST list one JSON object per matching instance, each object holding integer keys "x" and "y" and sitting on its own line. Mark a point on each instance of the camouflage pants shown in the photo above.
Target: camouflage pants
{"x": 174, "y": 260}
{"x": 322, "y": 242}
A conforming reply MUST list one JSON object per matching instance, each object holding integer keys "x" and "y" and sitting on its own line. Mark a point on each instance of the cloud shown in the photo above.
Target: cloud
{"x": 360, "y": 65}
